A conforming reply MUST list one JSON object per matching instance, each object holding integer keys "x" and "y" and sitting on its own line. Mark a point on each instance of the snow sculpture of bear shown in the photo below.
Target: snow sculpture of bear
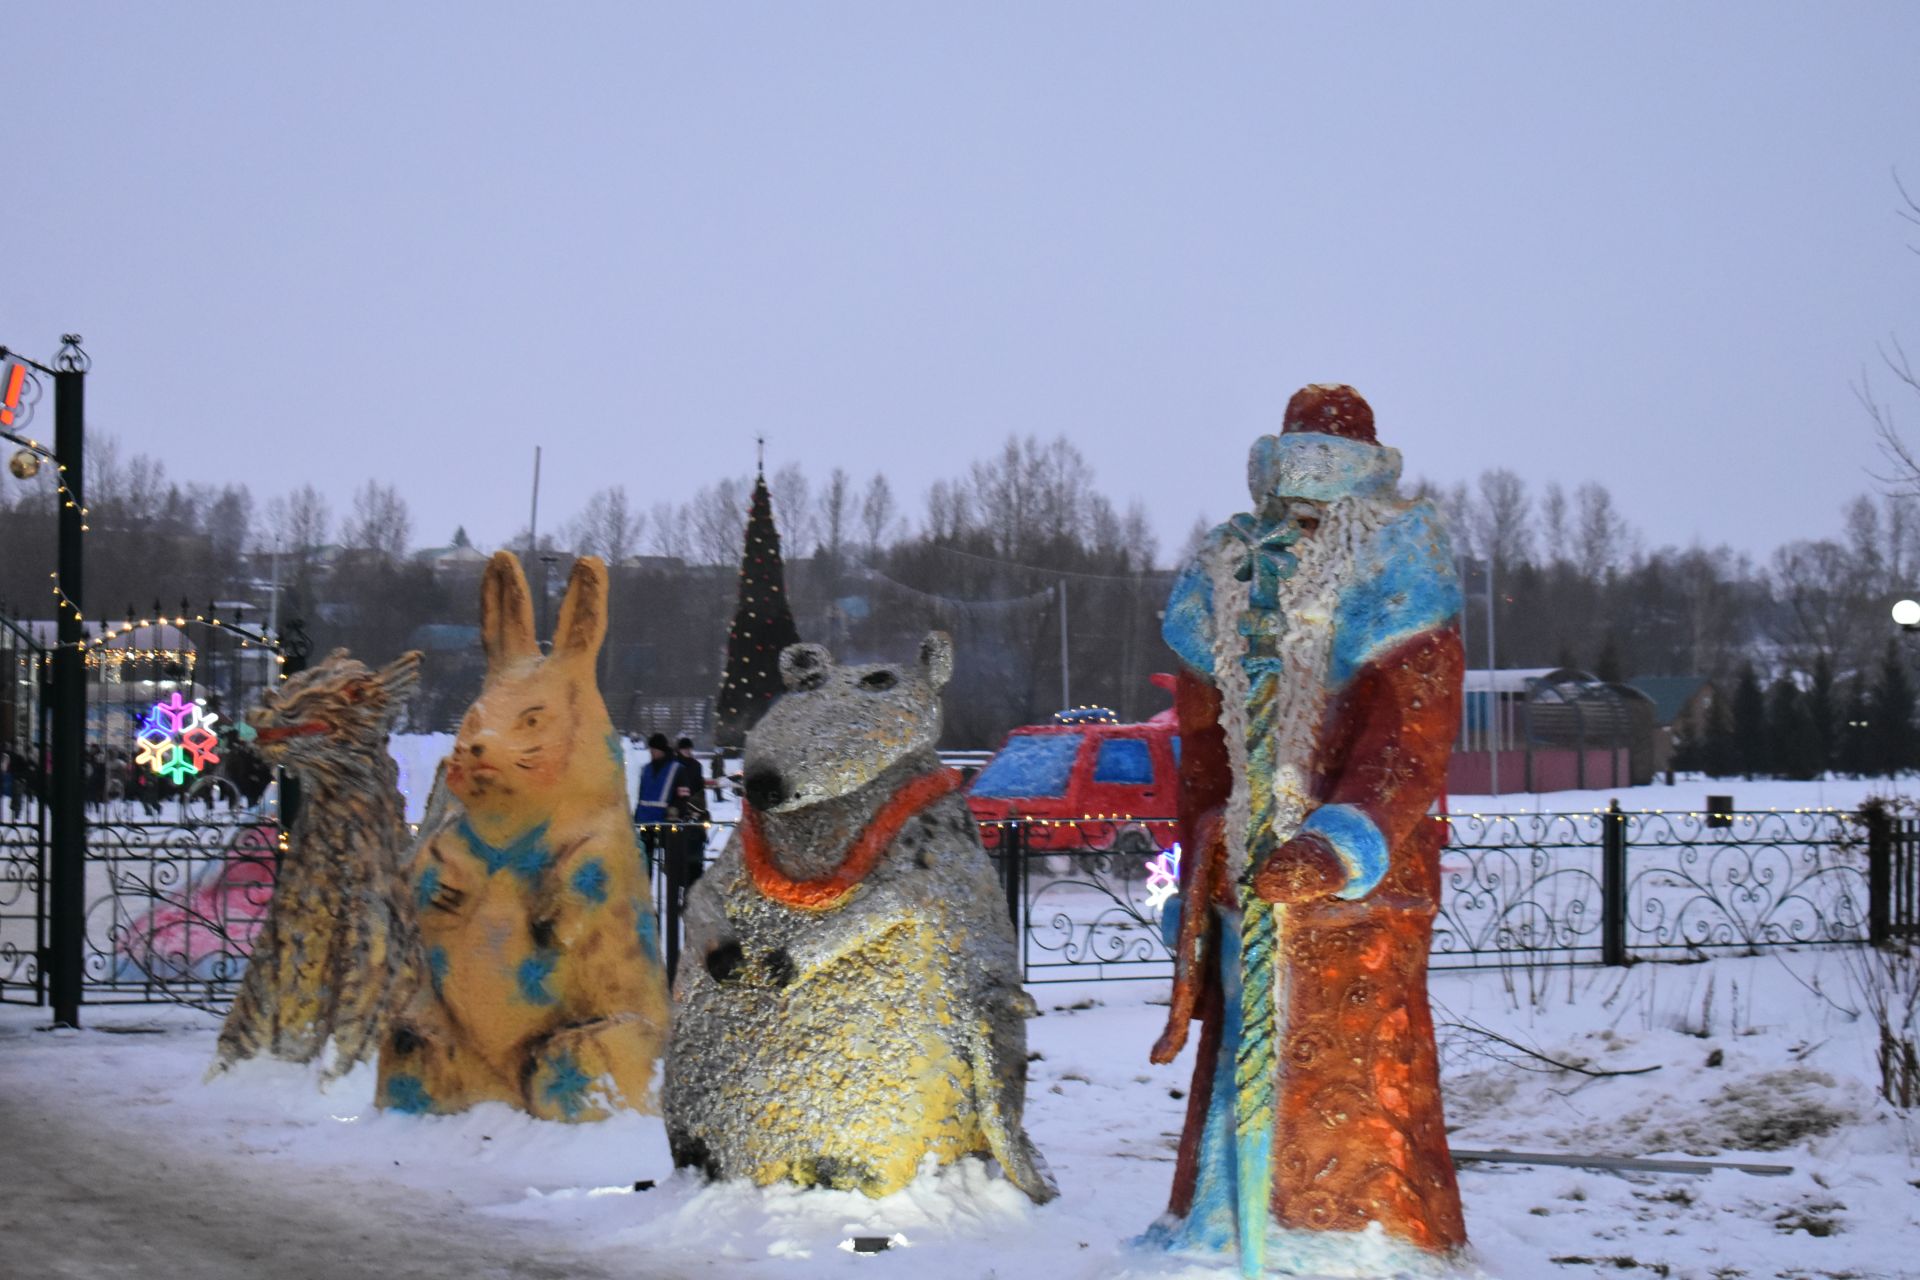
{"x": 850, "y": 1003}
{"x": 545, "y": 990}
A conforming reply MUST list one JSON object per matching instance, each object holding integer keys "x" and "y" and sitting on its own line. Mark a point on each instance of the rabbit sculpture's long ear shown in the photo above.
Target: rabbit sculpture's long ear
{"x": 583, "y": 614}
{"x": 506, "y": 613}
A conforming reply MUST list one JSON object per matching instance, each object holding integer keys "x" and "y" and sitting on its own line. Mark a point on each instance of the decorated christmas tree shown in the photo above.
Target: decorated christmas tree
{"x": 762, "y": 626}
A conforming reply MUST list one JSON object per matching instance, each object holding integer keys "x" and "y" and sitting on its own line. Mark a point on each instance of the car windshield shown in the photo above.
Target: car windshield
{"x": 1036, "y": 764}
{"x": 1124, "y": 762}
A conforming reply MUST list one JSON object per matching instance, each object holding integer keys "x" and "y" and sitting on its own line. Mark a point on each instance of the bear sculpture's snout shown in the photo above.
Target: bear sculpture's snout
{"x": 765, "y": 788}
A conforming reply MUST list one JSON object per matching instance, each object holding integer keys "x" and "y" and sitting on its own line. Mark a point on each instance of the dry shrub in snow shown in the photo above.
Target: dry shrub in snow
{"x": 1886, "y": 980}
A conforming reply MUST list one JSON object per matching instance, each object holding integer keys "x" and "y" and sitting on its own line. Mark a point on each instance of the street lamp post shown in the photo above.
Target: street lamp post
{"x": 65, "y": 961}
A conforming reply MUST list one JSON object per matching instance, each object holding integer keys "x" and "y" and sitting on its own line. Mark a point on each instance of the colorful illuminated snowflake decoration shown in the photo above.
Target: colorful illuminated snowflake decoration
{"x": 176, "y": 739}
{"x": 1163, "y": 877}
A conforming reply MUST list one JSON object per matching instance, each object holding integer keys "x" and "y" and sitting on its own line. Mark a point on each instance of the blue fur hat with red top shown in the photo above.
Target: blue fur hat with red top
{"x": 1326, "y": 450}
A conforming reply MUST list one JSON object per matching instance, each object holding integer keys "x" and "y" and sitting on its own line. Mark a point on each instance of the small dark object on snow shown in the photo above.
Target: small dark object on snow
{"x": 872, "y": 1244}
{"x": 1717, "y": 1057}
{"x": 645, "y": 1184}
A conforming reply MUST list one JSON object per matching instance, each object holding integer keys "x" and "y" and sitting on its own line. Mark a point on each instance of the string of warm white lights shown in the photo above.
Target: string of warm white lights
{"x": 112, "y": 631}
{"x": 71, "y": 501}
{"x": 1167, "y": 820}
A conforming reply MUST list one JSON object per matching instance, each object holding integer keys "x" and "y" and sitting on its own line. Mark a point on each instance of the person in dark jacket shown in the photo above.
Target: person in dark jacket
{"x": 693, "y": 843}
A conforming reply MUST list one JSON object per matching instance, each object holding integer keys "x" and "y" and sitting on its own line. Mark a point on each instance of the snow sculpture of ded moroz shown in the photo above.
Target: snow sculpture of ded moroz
{"x": 544, "y": 988}
{"x": 850, "y": 1004}
{"x": 1318, "y": 703}
{"x": 337, "y": 949}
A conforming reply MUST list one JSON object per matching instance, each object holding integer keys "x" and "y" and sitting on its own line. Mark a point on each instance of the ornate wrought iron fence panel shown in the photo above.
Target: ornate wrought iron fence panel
{"x": 24, "y": 823}
{"x": 23, "y": 934}
{"x": 173, "y": 907}
{"x": 1903, "y": 878}
{"x": 1761, "y": 880}
{"x": 1088, "y": 914}
{"x": 1519, "y": 888}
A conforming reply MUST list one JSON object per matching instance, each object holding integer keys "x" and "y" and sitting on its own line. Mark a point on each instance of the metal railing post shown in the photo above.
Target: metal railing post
{"x": 1012, "y": 851}
{"x": 673, "y": 855}
{"x": 1880, "y": 836}
{"x": 1613, "y": 885}
{"x": 294, "y": 648}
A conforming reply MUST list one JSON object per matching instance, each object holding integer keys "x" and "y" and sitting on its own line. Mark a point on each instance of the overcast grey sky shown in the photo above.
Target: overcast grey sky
{"x": 1650, "y": 245}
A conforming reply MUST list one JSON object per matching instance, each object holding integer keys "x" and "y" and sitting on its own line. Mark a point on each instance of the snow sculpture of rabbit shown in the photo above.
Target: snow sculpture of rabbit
{"x": 545, "y": 990}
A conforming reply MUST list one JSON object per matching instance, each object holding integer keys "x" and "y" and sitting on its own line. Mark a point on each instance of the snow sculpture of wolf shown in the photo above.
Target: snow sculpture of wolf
{"x": 850, "y": 1003}
{"x": 337, "y": 949}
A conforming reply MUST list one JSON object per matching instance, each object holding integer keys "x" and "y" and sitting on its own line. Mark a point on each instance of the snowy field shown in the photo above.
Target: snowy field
{"x": 418, "y": 754}
{"x": 118, "y": 1158}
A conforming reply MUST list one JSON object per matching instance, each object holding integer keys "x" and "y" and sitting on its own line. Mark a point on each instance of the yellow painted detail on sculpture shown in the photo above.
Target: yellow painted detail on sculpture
{"x": 893, "y": 1096}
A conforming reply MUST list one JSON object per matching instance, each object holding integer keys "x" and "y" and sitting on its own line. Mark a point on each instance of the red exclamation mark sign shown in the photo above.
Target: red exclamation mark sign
{"x": 9, "y": 402}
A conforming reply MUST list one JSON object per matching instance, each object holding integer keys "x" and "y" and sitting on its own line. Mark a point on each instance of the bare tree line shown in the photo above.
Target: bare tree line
{"x": 991, "y": 550}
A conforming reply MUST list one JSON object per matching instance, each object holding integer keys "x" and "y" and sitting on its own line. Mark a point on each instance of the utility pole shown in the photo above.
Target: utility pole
{"x": 1066, "y": 687}
{"x": 273, "y": 601}
{"x": 1495, "y": 718}
{"x": 533, "y": 520}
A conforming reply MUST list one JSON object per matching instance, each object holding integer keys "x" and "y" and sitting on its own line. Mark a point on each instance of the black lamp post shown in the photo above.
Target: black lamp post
{"x": 66, "y": 888}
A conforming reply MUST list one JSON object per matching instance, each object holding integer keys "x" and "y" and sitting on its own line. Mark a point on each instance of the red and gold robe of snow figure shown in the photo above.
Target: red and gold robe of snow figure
{"x": 1318, "y": 706}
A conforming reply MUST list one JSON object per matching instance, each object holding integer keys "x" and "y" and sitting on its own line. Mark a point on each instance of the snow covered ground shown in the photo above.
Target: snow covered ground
{"x": 117, "y": 1157}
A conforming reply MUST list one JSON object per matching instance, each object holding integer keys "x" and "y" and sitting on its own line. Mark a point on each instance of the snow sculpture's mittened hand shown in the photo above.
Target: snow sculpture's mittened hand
{"x": 1196, "y": 892}
{"x": 1302, "y": 869}
{"x": 1170, "y": 1043}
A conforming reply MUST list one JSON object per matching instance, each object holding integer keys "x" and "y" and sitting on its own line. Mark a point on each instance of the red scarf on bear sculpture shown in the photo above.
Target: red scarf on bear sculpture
{"x": 862, "y": 855}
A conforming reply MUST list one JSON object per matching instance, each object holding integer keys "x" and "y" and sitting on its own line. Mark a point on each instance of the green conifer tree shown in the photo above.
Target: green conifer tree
{"x": 1854, "y": 752}
{"x": 762, "y": 627}
{"x": 1823, "y": 715}
{"x": 1721, "y": 750}
{"x": 1795, "y": 752}
{"x": 1892, "y": 715}
{"x": 1607, "y": 665}
{"x": 1750, "y": 725}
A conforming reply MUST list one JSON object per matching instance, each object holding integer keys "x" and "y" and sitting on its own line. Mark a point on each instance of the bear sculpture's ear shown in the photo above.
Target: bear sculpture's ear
{"x": 805, "y": 666}
{"x": 506, "y": 613}
{"x": 936, "y": 655}
{"x": 583, "y": 613}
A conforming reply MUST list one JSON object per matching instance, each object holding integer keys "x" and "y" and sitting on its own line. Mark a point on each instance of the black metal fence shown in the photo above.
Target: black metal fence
{"x": 172, "y": 906}
{"x": 23, "y": 924}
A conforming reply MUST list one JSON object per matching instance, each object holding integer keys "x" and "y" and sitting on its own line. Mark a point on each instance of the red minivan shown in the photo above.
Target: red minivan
{"x": 1085, "y": 782}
